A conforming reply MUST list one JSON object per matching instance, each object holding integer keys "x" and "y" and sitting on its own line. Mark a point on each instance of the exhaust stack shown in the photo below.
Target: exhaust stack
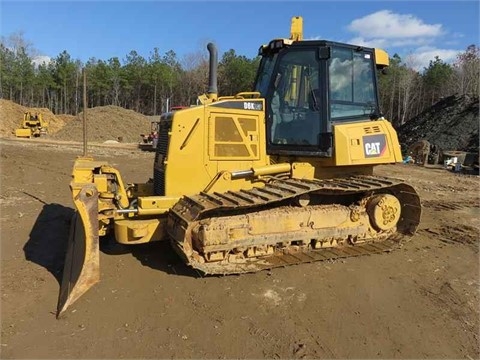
{"x": 212, "y": 78}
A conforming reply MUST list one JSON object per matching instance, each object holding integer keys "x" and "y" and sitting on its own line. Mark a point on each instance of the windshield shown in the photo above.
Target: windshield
{"x": 265, "y": 74}
{"x": 351, "y": 83}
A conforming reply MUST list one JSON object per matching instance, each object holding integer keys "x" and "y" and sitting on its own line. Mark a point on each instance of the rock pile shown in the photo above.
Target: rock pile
{"x": 451, "y": 124}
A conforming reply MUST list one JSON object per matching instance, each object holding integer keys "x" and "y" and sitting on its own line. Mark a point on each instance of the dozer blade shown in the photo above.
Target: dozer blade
{"x": 81, "y": 270}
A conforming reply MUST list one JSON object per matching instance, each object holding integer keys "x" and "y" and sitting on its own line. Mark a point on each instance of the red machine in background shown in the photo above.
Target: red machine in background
{"x": 149, "y": 141}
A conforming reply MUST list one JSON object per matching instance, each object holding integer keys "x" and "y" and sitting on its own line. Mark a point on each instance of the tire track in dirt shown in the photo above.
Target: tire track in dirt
{"x": 454, "y": 305}
{"x": 442, "y": 205}
{"x": 455, "y": 234}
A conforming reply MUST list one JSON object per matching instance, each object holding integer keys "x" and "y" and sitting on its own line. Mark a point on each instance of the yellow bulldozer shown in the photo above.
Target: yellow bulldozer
{"x": 276, "y": 176}
{"x": 33, "y": 125}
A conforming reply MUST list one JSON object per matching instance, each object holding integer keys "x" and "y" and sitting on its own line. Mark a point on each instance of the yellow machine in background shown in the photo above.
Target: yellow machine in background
{"x": 33, "y": 125}
{"x": 276, "y": 176}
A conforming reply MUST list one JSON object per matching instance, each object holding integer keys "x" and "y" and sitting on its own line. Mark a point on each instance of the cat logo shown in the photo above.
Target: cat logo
{"x": 374, "y": 145}
{"x": 372, "y": 148}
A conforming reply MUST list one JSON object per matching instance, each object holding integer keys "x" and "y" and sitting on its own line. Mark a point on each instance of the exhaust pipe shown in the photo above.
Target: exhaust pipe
{"x": 212, "y": 78}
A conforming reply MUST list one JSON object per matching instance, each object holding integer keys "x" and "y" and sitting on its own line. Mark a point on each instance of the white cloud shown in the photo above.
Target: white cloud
{"x": 41, "y": 60}
{"x": 404, "y": 34}
{"x": 375, "y": 43}
{"x": 392, "y": 26}
{"x": 410, "y": 42}
{"x": 384, "y": 43}
{"x": 318, "y": 37}
{"x": 423, "y": 55}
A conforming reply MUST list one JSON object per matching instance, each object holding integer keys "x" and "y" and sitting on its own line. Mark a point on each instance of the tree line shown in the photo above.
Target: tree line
{"x": 144, "y": 84}
{"x": 405, "y": 92}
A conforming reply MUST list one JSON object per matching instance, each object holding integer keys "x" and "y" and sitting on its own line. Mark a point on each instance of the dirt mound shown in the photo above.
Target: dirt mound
{"x": 452, "y": 124}
{"x": 11, "y": 116}
{"x": 103, "y": 123}
{"x": 106, "y": 123}
{"x": 66, "y": 118}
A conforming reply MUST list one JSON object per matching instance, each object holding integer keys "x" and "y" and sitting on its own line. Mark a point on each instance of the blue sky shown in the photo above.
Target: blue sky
{"x": 417, "y": 30}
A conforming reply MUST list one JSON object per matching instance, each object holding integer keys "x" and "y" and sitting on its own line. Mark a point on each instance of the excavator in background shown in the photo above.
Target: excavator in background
{"x": 33, "y": 125}
{"x": 149, "y": 141}
{"x": 276, "y": 176}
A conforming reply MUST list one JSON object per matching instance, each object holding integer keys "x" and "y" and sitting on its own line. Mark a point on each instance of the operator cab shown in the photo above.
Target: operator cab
{"x": 309, "y": 86}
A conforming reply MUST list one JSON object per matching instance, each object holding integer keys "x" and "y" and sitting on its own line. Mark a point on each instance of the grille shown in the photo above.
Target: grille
{"x": 372, "y": 129}
{"x": 159, "y": 182}
{"x": 161, "y": 153}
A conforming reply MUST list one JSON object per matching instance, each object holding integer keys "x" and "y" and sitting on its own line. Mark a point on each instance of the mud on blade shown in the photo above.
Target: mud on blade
{"x": 81, "y": 270}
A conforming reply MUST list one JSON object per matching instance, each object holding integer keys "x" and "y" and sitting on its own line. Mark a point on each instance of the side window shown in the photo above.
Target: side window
{"x": 363, "y": 90}
{"x": 340, "y": 70}
{"x": 351, "y": 83}
{"x": 265, "y": 74}
{"x": 294, "y": 100}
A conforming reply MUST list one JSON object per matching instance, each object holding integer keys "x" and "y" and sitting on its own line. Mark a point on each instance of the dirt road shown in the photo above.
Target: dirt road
{"x": 420, "y": 301}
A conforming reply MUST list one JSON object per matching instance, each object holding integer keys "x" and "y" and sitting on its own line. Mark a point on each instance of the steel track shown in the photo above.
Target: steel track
{"x": 191, "y": 209}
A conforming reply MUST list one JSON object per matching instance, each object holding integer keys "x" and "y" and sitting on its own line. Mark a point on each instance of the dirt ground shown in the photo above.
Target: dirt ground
{"x": 420, "y": 301}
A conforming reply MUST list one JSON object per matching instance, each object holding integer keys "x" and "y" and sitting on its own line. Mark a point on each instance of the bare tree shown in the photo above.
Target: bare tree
{"x": 406, "y": 86}
{"x": 467, "y": 71}
{"x": 195, "y": 76}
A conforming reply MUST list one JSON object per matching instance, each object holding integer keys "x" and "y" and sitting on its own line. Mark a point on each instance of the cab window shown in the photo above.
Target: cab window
{"x": 294, "y": 113}
{"x": 351, "y": 83}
